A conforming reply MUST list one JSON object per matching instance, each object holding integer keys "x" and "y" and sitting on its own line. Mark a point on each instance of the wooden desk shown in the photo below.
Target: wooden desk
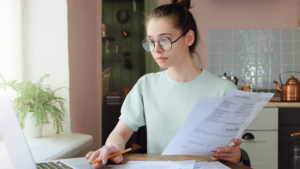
{"x": 158, "y": 157}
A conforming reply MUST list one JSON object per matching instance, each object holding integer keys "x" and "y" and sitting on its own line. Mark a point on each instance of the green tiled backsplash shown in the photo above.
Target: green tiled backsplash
{"x": 255, "y": 56}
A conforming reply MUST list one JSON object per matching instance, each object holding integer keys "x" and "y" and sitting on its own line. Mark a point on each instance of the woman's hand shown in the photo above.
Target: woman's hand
{"x": 103, "y": 153}
{"x": 115, "y": 142}
{"x": 232, "y": 153}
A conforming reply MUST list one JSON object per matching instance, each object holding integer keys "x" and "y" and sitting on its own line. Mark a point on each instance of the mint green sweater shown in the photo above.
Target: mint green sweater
{"x": 163, "y": 104}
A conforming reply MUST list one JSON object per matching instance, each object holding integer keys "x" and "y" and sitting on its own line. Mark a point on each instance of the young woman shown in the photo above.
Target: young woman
{"x": 163, "y": 100}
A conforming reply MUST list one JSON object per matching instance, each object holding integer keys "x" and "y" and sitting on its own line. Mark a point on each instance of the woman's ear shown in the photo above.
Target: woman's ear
{"x": 190, "y": 35}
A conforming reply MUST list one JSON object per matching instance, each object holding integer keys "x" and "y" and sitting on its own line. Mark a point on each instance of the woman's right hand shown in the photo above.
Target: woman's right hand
{"x": 103, "y": 153}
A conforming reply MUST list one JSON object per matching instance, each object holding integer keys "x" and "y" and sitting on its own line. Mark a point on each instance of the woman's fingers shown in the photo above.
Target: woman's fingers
{"x": 108, "y": 150}
{"x": 222, "y": 155}
{"x": 104, "y": 153}
{"x": 236, "y": 142}
{"x": 97, "y": 165}
{"x": 232, "y": 153}
{"x": 88, "y": 155}
{"x": 93, "y": 156}
{"x": 117, "y": 159}
{"x": 225, "y": 150}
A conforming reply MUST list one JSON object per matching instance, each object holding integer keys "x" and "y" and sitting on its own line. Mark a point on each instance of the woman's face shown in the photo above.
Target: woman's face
{"x": 162, "y": 27}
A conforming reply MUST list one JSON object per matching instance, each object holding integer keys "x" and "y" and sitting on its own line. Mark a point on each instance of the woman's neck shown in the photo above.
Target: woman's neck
{"x": 184, "y": 71}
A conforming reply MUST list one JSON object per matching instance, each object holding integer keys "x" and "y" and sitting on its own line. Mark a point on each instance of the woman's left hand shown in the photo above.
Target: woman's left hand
{"x": 232, "y": 153}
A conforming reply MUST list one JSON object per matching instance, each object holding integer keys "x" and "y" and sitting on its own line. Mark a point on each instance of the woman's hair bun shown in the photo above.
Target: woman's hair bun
{"x": 185, "y": 3}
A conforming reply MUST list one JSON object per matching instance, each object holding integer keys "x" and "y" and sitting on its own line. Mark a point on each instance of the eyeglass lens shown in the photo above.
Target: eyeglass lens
{"x": 164, "y": 43}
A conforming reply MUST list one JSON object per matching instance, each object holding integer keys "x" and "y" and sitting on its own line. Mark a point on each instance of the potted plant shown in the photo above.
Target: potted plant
{"x": 35, "y": 105}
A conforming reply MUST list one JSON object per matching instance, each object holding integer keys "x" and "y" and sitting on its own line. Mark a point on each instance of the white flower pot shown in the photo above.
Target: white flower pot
{"x": 31, "y": 130}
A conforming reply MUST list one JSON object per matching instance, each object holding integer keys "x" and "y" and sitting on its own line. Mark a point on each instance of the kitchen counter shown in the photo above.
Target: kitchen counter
{"x": 282, "y": 104}
{"x": 275, "y": 102}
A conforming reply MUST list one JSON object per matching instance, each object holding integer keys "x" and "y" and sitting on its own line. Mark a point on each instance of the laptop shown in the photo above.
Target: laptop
{"x": 18, "y": 149}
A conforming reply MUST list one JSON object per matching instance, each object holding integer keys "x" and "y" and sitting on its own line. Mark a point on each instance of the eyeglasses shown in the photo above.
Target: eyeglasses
{"x": 164, "y": 42}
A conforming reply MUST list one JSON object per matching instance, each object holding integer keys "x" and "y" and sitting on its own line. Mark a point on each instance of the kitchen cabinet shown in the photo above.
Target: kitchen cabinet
{"x": 263, "y": 148}
{"x": 289, "y": 138}
{"x": 110, "y": 118}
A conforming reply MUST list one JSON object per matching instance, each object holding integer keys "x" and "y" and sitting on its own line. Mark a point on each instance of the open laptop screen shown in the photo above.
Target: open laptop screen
{"x": 13, "y": 137}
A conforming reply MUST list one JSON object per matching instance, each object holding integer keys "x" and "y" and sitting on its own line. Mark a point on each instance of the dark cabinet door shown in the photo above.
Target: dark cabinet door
{"x": 110, "y": 118}
{"x": 289, "y": 138}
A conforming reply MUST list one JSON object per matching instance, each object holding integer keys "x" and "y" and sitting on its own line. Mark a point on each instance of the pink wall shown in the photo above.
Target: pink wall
{"x": 240, "y": 14}
{"x": 85, "y": 42}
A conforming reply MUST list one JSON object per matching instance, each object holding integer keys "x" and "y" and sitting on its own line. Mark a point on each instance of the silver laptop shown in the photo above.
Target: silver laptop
{"x": 18, "y": 149}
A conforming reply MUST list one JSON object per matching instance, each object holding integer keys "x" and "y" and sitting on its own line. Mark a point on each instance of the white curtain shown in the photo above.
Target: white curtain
{"x": 11, "y": 48}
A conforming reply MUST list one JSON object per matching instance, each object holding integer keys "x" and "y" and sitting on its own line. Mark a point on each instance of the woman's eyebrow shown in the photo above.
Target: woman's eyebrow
{"x": 160, "y": 34}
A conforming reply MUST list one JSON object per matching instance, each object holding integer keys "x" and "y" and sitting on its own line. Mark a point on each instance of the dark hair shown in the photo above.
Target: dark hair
{"x": 183, "y": 19}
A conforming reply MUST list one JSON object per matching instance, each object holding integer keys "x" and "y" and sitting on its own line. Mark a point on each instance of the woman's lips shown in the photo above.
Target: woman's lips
{"x": 161, "y": 59}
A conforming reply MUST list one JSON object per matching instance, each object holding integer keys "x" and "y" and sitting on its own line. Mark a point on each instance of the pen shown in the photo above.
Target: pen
{"x": 113, "y": 155}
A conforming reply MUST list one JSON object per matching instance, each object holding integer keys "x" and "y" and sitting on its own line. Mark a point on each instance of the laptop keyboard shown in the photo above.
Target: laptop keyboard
{"x": 52, "y": 165}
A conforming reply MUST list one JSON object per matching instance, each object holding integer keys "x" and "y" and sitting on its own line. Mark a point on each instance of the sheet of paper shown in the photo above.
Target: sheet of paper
{"x": 142, "y": 166}
{"x": 146, "y": 165}
{"x": 203, "y": 165}
{"x": 218, "y": 165}
{"x": 202, "y": 108}
{"x": 210, "y": 165}
{"x": 261, "y": 102}
{"x": 218, "y": 125}
{"x": 187, "y": 164}
{"x": 153, "y": 164}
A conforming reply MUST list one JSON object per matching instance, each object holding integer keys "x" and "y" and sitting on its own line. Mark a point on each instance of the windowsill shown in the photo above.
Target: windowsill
{"x": 66, "y": 145}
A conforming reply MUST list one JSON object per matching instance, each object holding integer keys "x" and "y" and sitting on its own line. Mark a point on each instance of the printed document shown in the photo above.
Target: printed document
{"x": 188, "y": 164}
{"x": 214, "y": 122}
{"x": 210, "y": 165}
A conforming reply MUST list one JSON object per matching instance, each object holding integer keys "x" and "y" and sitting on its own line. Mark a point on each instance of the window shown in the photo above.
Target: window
{"x": 11, "y": 42}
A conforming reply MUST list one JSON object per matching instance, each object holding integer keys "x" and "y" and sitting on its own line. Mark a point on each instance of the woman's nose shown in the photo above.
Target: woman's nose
{"x": 158, "y": 48}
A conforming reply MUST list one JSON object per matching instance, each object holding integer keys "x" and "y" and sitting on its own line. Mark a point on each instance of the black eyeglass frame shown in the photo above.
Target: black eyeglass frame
{"x": 159, "y": 43}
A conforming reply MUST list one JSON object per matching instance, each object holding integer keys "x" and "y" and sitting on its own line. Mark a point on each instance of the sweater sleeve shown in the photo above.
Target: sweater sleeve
{"x": 132, "y": 111}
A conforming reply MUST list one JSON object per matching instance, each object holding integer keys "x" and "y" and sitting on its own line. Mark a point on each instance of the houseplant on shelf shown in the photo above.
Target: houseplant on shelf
{"x": 35, "y": 104}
